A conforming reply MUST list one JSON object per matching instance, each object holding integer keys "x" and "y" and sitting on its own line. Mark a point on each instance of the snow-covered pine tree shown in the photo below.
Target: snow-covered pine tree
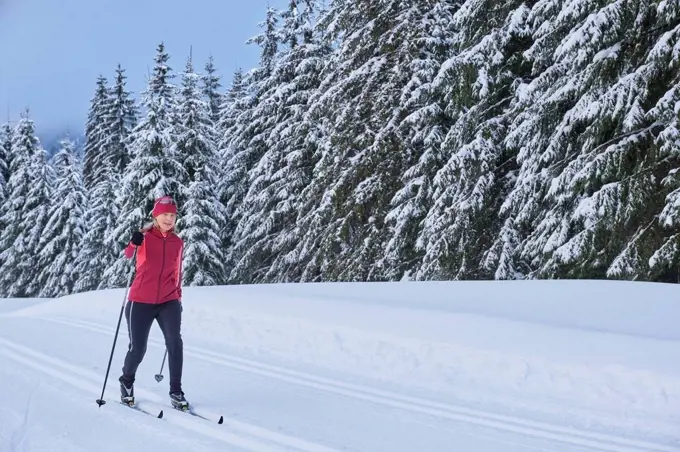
{"x": 5, "y": 166}
{"x": 121, "y": 119}
{"x": 467, "y": 191}
{"x": 244, "y": 142}
{"x": 266, "y": 233}
{"x": 210, "y": 87}
{"x": 584, "y": 133}
{"x": 230, "y": 188}
{"x": 96, "y": 131}
{"x": 201, "y": 214}
{"x": 6, "y": 134}
{"x": 310, "y": 259}
{"x": 5, "y": 147}
{"x": 28, "y": 197}
{"x": 423, "y": 131}
{"x": 13, "y": 253}
{"x": 664, "y": 264}
{"x": 40, "y": 199}
{"x": 64, "y": 229}
{"x": 153, "y": 171}
{"x": 344, "y": 232}
{"x": 194, "y": 133}
{"x": 202, "y": 222}
{"x": 99, "y": 249}
{"x": 305, "y": 145}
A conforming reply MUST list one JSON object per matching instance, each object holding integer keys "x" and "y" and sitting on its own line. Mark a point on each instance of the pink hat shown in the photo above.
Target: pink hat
{"x": 164, "y": 204}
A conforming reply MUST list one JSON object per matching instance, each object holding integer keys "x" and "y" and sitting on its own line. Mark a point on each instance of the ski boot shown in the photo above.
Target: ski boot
{"x": 178, "y": 401}
{"x": 127, "y": 392}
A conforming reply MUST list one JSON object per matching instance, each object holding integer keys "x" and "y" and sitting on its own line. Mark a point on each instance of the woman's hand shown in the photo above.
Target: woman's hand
{"x": 137, "y": 238}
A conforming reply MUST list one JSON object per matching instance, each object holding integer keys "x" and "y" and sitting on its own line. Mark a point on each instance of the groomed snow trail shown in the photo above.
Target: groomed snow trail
{"x": 55, "y": 356}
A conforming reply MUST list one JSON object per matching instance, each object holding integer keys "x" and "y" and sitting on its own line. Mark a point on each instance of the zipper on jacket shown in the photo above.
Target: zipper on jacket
{"x": 158, "y": 291}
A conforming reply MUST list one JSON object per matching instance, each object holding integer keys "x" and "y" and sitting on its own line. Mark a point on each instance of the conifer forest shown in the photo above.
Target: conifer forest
{"x": 376, "y": 140}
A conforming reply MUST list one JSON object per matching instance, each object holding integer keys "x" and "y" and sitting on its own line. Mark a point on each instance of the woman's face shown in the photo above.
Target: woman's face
{"x": 166, "y": 221}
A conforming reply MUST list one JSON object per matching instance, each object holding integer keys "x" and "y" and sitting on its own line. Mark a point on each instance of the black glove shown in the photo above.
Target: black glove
{"x": 137, "y": 238}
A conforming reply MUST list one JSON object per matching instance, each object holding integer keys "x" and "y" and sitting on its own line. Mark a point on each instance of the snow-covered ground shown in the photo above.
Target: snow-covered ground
{"x": 376, "y": 367}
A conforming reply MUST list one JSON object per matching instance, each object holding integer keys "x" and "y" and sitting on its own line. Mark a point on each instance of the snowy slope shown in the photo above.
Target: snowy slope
{"x": 409, "y": 366}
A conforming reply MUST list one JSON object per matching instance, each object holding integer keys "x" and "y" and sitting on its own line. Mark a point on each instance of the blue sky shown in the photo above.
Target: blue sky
{"x": 51, "y": 51}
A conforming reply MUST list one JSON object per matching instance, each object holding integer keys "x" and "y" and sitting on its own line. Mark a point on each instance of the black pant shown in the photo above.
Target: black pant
{"x": 140, "y": 317}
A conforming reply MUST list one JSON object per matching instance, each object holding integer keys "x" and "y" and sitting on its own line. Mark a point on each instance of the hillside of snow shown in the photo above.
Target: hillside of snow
{"x": 395, "y": 367}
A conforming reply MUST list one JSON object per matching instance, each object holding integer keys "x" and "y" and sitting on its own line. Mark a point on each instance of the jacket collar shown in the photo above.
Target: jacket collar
{"x": 157, "y": 232}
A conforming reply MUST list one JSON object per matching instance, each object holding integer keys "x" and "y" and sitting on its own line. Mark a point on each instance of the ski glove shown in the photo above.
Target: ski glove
{"x": 137, "y": 238}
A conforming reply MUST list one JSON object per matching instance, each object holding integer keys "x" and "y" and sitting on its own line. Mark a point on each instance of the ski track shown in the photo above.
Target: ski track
{"x": 27, "y": 425}
{"x": 590, "y": 440}
{"x": 20, "y": 435}
{"x": 249, "y": 437}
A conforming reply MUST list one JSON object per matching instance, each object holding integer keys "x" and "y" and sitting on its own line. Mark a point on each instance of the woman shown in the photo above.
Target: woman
{"x": 155, "y": 294}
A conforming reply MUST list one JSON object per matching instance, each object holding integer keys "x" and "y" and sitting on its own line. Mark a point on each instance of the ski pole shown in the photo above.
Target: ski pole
{"x": 101, "y": 400}
{"x": 159, "y": 376}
